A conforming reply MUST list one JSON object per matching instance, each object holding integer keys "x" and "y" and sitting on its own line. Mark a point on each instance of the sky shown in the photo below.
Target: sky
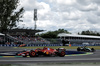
{"x": 72, "y": 15}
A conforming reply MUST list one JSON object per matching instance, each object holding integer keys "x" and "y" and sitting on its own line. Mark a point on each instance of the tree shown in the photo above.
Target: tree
{"x": 88, "y": 32}
{"x": 8, "y": 16}
{"x": 53, "y": 34}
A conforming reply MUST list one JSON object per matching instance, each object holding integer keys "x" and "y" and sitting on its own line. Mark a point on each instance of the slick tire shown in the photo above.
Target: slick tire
{"x": 92, "y": 49}
{"x": 62, "y": 54}
{"x": 32, "y": 54}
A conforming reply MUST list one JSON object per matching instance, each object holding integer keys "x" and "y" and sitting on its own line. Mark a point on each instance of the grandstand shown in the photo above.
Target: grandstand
{"x": 23, "y": 36}
{"x": 22, "y": 31}
{"x": 80, "y": 39}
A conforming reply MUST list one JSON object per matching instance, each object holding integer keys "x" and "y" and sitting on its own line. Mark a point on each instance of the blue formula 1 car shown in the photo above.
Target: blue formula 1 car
{"x": 86, "y": 49}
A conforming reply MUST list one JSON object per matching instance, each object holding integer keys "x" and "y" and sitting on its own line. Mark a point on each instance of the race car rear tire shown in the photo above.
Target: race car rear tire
{"x": 92, "y": 49}
{"x": 62, "y": 54}
{"x": 32, "y": 54}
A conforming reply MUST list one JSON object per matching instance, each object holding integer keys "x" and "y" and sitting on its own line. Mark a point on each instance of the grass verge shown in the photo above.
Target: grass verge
{"x": 55, "y": 47}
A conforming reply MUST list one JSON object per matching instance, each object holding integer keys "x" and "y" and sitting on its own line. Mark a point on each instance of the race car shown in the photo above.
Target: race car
{"x": 43, "y": 52}
{"x": 86, "y": 49}
{"x": 22, "y": 45}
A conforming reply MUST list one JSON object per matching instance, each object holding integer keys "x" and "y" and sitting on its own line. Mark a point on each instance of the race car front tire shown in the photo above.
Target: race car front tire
{"x": 32, "y": 54}
{"x": 78, "y": 49}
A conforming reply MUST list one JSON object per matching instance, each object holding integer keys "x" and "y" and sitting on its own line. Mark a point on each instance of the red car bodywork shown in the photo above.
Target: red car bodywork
{"x": 45, "y": 52}
{"x": 22, "y": 45}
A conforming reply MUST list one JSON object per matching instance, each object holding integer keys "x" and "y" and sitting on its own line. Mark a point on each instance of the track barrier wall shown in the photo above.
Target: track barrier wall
{"x": 28, "y": 45}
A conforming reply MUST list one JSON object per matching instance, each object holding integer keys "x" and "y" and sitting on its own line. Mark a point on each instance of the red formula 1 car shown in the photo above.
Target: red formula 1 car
{"x": 43, "y": 52}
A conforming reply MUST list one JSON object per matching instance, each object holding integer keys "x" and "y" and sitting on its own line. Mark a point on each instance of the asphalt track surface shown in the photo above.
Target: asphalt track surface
{"x": 91, "y": 58}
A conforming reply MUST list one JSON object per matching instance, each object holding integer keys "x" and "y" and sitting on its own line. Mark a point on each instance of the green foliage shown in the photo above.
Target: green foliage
{"x": 53, "y": 34}
{"x": 8, "y": 16}
{"x": 88, "y": 32}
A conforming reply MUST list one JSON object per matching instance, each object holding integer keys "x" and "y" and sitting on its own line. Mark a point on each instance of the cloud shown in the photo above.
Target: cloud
{"x": 97, "y": 12}
{"x": 72, "y": 15}
{"x": 94, "y": 19}
{"x": 68, "y": 2}
{"x": 89, "y": 7}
